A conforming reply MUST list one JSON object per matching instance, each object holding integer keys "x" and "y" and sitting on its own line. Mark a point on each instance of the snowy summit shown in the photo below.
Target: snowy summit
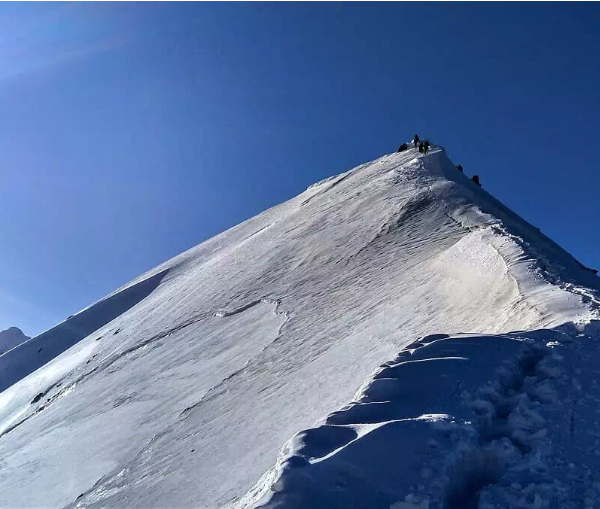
{"x": 10, "y": 338}
{"x": 393, "y": 337}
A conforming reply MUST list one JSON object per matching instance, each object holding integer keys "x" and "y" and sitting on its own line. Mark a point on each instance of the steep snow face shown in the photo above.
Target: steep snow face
{"x": 180, "y": 388}
{"x": 11, "y": 337}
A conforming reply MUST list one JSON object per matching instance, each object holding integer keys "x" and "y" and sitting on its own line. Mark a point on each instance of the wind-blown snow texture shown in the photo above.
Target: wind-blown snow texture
{"x": 181, "y": 388}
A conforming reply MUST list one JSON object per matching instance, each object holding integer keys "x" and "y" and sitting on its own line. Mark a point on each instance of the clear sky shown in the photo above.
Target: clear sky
{"x": 130, "y": 132}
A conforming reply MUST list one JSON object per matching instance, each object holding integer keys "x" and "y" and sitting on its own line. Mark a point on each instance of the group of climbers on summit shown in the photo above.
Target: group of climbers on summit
{"x": 423, "y": 147}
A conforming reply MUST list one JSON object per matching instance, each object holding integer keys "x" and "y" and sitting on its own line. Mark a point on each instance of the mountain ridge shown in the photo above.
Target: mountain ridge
{"x": 259, "y": 332}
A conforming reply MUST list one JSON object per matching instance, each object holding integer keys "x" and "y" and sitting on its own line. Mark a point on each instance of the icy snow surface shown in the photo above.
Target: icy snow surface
{"x": 216, "y": 379}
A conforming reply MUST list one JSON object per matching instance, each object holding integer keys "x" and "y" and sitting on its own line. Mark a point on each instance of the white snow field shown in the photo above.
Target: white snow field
{"x": 222, "y": 378}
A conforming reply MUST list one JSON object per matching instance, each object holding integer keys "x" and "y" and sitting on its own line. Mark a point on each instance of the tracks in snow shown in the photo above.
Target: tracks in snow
{"x": 451, "y": 422}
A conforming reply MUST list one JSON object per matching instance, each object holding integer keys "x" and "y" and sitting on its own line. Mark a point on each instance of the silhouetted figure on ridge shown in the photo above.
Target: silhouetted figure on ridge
{"x": 475, "y": 178}
{"x": 403, "y": 147}
{"x": 416, "y": 140}
{"x": 589, "y": 269}
{"x": 426, "y": 146}
{"x": 421, "y": 148}
{"x": 460, "y": 168}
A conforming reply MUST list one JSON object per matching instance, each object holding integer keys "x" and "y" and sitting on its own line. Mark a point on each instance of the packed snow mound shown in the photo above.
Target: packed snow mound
{"x": 183, "y": 394}
{"x": 11, "y": 337}
{"x": 456, "y": 422}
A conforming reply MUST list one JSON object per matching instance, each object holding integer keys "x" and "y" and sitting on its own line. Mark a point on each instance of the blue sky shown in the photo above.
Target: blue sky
{"x": 130, "y": 132}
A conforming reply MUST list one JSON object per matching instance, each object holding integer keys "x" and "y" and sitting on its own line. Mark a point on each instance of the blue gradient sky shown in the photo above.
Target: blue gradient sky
{"x": 131, "y": 132}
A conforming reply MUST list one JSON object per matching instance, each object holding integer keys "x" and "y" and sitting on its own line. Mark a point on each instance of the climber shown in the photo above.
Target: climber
{"x": 589, "y": 269}
{"x": 421, "y": 148}
{"x": 416, "y": 140}
{"x": 426, "y": 146}
{"x": 460, "y": 168}
{"x": 403, "y": 147}
{"x": 475, "y": 178}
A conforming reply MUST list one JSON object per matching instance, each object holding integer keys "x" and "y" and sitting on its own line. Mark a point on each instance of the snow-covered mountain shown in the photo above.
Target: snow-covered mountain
{"x": 11, "y": 337}
{"x": 462, "y": 337}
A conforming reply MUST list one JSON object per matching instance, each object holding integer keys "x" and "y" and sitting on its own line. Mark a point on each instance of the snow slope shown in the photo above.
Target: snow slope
{"x": 11, "y": 337}
{"x": 179, "y": 389}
